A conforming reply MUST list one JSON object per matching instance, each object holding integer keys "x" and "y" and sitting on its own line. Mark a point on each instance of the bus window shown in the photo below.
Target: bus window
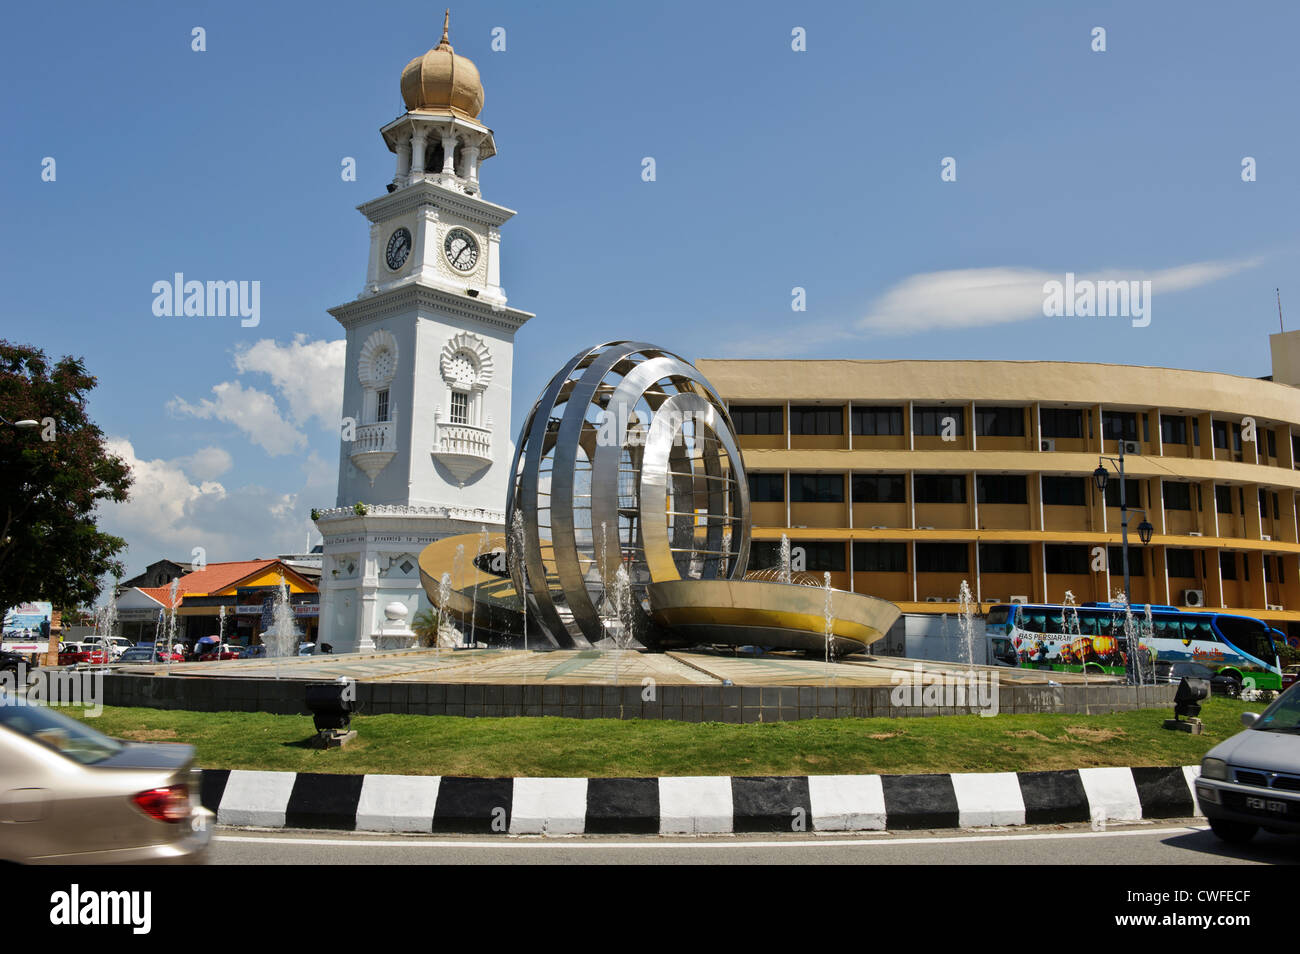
{"x": 1199, "y": 629}
{"x": 1056, "y": 623}
{"x": 1087, "y": 623}
{"x": 997, "y": 616}
{"x": 1035, "y": 621}
{"x": 1248, "y": 635}
{"x": 1166, "y": 627}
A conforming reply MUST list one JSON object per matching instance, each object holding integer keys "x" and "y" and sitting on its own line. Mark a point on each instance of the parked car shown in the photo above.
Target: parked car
{"x": 1252, "y": 780}
{"x": 73, "y": 792}
{"x": 71, "y": 654}
{"x": 136, "y": 654}
{"x": 307, "y": 649}
{"x": 176, "y": 654}
{"x": 9, "y": 662}
{"x": 253, "y": 652}
{"x": 1289, "y": 676}
{"x": 1174, "y": 672}
{"x": 212, "y": 652}
{"x": 116, "y": 644}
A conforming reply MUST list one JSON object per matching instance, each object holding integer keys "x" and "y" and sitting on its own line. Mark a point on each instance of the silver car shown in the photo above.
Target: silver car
{"x": 1252, "y": 780}
{"x": 72, "y": 795}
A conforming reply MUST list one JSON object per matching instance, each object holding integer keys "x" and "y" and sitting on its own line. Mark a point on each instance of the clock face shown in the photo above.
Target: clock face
{"x": 399, "y": 247}
{"x": 461, "y": 250}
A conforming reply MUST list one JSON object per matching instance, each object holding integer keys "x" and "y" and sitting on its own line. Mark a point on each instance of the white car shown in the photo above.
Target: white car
{"x": 117, "y": 645}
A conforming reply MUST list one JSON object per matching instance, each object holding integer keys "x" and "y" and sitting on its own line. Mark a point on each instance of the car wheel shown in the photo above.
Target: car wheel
{"x": 1235, "y": 833}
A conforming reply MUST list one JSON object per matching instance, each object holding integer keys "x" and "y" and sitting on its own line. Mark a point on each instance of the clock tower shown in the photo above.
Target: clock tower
{"x": 425, "y": 438}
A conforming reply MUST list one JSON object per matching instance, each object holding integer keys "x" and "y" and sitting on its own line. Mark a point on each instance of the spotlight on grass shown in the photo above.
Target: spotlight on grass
{"x": 1187, "y": 703}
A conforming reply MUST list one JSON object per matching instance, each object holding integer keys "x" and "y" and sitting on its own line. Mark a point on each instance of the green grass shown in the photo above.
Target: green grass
{"x": 554, "y": 747}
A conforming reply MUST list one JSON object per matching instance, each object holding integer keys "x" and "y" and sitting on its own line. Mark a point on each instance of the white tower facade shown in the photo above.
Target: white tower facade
{"x": 426, "y": 440}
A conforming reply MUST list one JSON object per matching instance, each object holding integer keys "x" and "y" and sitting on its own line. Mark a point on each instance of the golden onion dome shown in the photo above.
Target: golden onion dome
{"x": 441, "y": 81}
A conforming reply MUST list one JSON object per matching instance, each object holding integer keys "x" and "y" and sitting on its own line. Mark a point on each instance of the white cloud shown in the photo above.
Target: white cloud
{"x": 206, "y": 463}
{"x": 252, "y": 411}
{"x": 307, "y": 374}
{"x": 168, "y": 514}
{"x": 975, "y": 297}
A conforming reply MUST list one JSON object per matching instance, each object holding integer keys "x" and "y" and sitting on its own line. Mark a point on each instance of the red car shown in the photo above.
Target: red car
{"x": 1289, "y": 676}
{"x": 176, "y": 655}
{"x": 212, "y": 652}
{"x": 72, "y": 653}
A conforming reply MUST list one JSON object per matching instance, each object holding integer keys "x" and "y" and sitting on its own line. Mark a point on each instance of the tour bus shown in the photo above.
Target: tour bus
{"x": 1046, "y": 636}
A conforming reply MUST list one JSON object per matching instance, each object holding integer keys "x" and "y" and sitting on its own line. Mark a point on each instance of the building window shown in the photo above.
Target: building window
{"x": 1173, "y": 429}
{"x": 1000, "y": 422}
{"x": 820, "y": 557}
{"x": 758, "y": 419}
{"x": 812, "y": 419}
{"x": 764, "y": 554}
{"x": 1132, "y": 492}
{"x": 1223, "y": 499}
{"x": 1135, "y": 562}
{"x": 942, "y": 558}
{"x": 877, "y": 421}
{"x": 1066, "y": 559}
{"x": 872, "y": 557}
{"x": 878, "y": 488}
{"x": 936, "y": 420}
{"x": 1004, "y": 558}
{"x": 1228, "y": 565}
{"x": 381, "y": 406}
{"x": 939, "y": 488}
{"x": 1000, "y": 489}
{"x": 1065, "y": 491}
{"x": 1119, "y": 425}
{"x": 459, "y": 407}
{"x": 1271, "y": 440}
{"x": 1178, "y": 496}
{"x": 766, "y": 488}
{"x": 1181, "y": 563}
{"x": 1062, "y": 422}
{"x": 817, "y": 488}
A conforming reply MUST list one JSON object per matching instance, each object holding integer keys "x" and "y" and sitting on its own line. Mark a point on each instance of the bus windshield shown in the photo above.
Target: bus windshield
{"x": 1251, "y": 636}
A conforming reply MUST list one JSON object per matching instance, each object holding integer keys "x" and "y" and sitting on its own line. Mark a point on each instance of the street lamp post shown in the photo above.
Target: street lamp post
{"x": 1102, "y": 477}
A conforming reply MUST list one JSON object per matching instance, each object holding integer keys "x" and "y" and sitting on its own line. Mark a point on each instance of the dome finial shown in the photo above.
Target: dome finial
{"x": 446, "y": 24}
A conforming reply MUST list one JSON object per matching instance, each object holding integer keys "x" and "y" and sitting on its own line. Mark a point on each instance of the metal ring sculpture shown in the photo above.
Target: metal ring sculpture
{"x": 629, "y": 459}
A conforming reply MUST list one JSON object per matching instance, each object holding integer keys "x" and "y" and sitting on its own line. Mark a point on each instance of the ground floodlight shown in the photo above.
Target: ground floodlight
{"x": 331, "y": 705}
{"x": 1187, "y": 700}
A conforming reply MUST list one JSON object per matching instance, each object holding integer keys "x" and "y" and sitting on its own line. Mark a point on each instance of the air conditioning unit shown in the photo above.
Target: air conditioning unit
{"x": 952, "y": 599}
{"x": 925, "y": 528}
{"x": 934, "y": 599}
{"x": 1047, "y": 445}
{"x": 991, "y": 599}
{"x": 1265, "y": 536}
{"x": 1132, "y": 447}
{"x": 1193, "y": 597}
{"x": 880, "y": 527}
{"x": 1019, "y": 599}
{"x": 1275, "y": 607}
{"x": 1194, "y": 533}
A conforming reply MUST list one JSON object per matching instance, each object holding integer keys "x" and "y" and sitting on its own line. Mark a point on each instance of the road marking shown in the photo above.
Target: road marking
{"x": 703, "y": 843}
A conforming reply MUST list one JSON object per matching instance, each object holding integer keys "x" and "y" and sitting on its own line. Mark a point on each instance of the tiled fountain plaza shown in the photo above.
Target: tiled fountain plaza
{"x": 596, "y": 667}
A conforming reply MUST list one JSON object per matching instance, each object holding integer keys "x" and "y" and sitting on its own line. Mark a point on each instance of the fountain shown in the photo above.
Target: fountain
{"x": 458, "y": 574}
{"x": 444, "y": 594}
{"x": 966, "y": 620}
{"x": 473, "y": 616}
{"x": 221, "y": 627}
{"x": 829, "y": 619}
{"x": 171, "y": 622}
{"x": 1070, "y": 626}
{"x": 281, "y": 639}
{"x": 783, "y": 576}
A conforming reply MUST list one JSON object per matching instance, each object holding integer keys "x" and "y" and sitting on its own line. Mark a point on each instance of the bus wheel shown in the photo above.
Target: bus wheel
{"x": 1234, "y": 833}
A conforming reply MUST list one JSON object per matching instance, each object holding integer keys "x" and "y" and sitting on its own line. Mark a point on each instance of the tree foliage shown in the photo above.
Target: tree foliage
{"x": 52, "y": 479}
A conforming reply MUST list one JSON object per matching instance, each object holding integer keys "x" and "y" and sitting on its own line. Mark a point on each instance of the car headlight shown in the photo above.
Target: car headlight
{"x": 1214, "y": 768}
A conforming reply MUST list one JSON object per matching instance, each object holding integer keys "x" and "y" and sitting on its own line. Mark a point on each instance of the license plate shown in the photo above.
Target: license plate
{"x": 1266, "y": 805}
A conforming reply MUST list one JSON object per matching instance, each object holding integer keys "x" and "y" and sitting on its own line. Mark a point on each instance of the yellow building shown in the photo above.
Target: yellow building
{"x": 904, "y": 478}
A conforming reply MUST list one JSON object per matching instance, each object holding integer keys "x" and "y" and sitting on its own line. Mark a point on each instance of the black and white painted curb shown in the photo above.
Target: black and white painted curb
{"x": 703, "y": 805}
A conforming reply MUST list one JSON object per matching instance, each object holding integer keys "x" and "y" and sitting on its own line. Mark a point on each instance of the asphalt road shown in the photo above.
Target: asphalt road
{"x": 1181, "y": 842}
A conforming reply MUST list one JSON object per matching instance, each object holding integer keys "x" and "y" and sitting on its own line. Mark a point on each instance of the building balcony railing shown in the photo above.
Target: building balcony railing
{"x": 374, "y": 438}
{"x": 373, "y": 446}
{"x": 464, "y": 449}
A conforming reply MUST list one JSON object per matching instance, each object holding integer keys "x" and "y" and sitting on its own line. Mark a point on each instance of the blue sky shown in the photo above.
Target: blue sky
{"x": 774, "y": 169}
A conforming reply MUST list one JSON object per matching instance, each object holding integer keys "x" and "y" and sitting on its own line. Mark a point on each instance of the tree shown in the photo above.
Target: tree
{"x": 51, "y": 481}
{"x": 425, "y": 627}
